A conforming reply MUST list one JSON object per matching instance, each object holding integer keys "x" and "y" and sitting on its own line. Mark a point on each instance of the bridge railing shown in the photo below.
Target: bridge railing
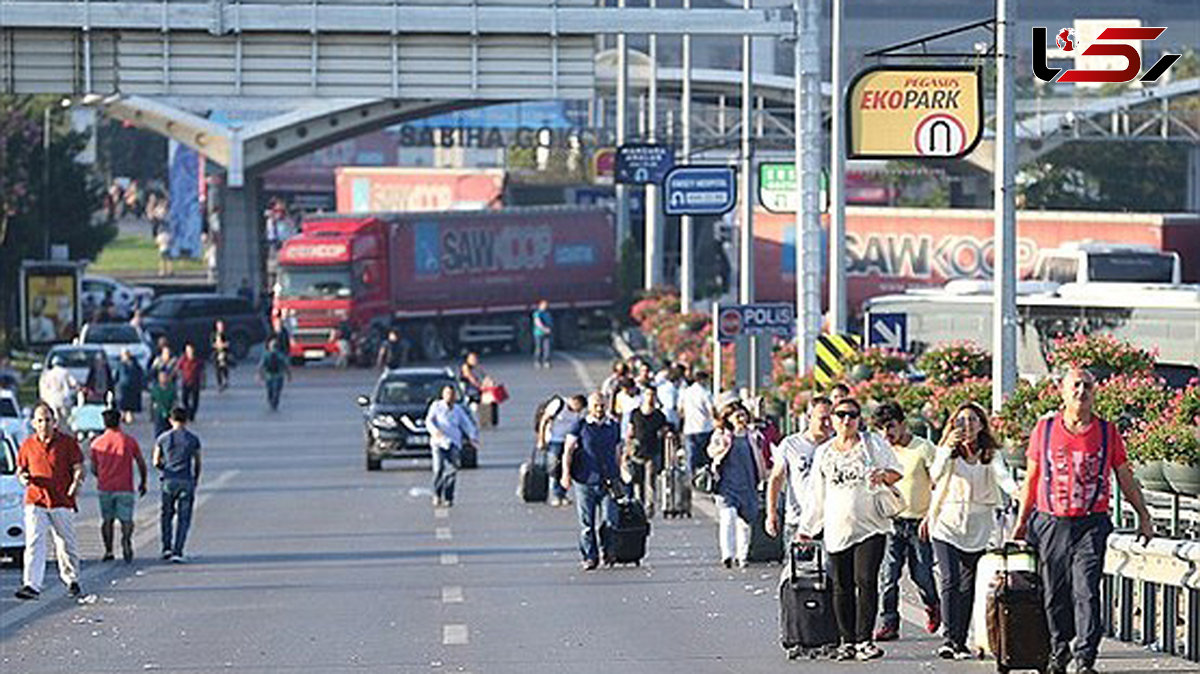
{"x": 1151, "y": 594}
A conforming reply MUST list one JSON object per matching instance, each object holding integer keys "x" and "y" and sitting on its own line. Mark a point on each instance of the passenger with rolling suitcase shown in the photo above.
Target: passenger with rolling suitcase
{"x": 533, "y": 479}
{"x": 1064, "y": 511}
{"x": 807, "y": 627}
{"x": 970, "y": 476}
{"x": 554, "y": 419}
{"x": 590, "y": 464}
{"x": 674, "y": 485}
{"x": 793, "y": 458}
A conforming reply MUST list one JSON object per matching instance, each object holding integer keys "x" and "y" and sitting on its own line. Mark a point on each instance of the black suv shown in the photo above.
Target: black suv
{"x": 394, "y": 418}
{"x": 189, "y": 317}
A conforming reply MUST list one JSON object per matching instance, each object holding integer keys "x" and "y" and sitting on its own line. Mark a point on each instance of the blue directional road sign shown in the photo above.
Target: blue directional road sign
{"x": 699, "y": 190}
{"x": 736, "y": 320}
{"x": 642, "y": 163}
{"x": 888, "y": 331}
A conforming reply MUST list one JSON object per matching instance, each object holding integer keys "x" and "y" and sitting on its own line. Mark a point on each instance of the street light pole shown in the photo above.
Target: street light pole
{"x": 1004, "y": 277}
{"x": 685, "y": 222}
{"x": 44, "y": 201}
{"x": 837, "y": 180}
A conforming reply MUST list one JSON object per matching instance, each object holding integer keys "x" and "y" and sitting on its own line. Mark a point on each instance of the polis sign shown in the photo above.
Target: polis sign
{"x": 776, "y": 318}
{"x": 896, "y": 112}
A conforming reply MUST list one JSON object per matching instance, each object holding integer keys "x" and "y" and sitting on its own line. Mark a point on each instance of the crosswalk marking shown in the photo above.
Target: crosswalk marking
{"x": 452, "y": 594}
{"x": 442, "y": 533}
{"x": 449, "y": 559}
{"x": 455, "y": 635}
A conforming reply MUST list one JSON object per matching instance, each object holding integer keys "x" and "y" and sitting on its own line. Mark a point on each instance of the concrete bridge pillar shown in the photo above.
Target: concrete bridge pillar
{"x": 1191, "y": 200}
{"x": 242, "y": 253}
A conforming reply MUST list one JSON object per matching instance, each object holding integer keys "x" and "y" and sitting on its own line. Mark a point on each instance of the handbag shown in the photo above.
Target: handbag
{"x": 705, "y": 480}
{"x": 886, "y": 498}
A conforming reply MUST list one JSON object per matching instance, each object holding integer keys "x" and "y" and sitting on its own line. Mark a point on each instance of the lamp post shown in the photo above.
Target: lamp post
{"x": 44, "y": 199}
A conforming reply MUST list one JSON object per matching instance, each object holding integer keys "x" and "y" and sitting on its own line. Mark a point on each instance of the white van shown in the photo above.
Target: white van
{"x": 1099, "y": 262}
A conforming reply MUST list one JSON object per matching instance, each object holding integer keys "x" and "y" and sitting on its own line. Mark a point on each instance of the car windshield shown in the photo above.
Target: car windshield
{"x": 295, "y": 281}
{"x": 8, "y": 408}
{"x": 410, "y": 391}
{"x": 73, "y": 357}
{"x": 1131, "y": 267}
{"x": 163, "y": 309}
{"x": 111, "y": 334}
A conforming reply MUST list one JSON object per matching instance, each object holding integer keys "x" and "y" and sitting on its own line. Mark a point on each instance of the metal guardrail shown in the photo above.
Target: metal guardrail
{"x": 1151, "y": 594}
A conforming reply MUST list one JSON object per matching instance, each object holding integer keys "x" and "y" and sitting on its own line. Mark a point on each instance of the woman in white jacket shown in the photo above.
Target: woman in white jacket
{"x": 847, "y": 474}
{"x": 969, "y": 474}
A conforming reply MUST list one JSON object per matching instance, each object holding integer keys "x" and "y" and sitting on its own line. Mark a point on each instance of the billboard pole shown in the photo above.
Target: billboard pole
{"x": 1004, "y": 280}
{"x": 837, "y": 179}
{"x": 746, "y": 249}
{"x": 622, "y": 190}
{"x": 808, "y": 182}
{"x": 653, "y": 247}
{"x": 685, "y": 222}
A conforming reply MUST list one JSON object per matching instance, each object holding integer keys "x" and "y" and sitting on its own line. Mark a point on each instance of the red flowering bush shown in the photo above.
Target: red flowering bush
{"x": 944, "y": 399}
{"x": 1185, "y": 408}
{"x": 1101, "y": 351}
{"x": 955, "y": 363}
{"x": 1021, "y": 410}
{"x": 1169, "y": 441}
{"x": 879, "y": 360}
{"x": 1126, "y": 399}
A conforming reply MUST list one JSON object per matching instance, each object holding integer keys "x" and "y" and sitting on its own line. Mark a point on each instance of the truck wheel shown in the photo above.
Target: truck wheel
{"x": 374, "y": 463}
{"x": 239, "y": 345}
{"x": 430, "y": 339}
{"x": 523, "y": 342}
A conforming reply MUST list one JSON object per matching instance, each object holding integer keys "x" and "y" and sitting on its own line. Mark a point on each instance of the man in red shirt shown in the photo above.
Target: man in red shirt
{"x": 113, "y": 456}
{"x": 1064, "y": 514}
{"x": 191, "y": 375}
{"x": 50, "y": 466}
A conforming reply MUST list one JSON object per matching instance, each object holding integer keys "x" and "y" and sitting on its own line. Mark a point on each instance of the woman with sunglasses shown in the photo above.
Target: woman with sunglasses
{"x": 846, "y": 474}
{"x": 740, "y": 469}
{"x": 968, "y": 475}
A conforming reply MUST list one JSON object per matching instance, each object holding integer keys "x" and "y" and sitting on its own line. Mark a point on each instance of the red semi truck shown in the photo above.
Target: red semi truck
{"x": 445, "y": 280}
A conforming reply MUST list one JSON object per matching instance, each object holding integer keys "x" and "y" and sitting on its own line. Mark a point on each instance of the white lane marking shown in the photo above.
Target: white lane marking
{"x": 441, "y": 513}
{"x": 442, "y": 533}
{"x": 581, "y": 372}
{"x": 455, "y": 635}
{"x": 448, "y": 559}
{"x": 452, "y": 594}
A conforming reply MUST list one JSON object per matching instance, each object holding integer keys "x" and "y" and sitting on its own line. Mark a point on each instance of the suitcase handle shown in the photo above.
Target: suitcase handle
{"x": 797, "y": 547}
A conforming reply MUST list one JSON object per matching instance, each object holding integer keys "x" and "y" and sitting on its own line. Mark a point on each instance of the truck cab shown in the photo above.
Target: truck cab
{"x": 333, "y": 275}
{"x": 1098, "y": 262}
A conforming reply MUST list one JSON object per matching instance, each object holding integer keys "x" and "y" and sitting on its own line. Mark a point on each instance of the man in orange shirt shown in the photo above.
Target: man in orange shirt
{"x": 113, "y": 456}
{"x": 50, "y": 466}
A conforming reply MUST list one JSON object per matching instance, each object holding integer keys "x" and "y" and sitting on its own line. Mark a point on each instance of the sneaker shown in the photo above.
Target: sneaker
{"x": 933, "y": 619}
{"x": 963, "y": 653}
{"x": 869, "y": 651}
{"x": 742, "y": 564}
{"x": 728, "y": 563}
{"x": 74, "y": 590}
{"x": 946, "y": 651}
{"x": 845, "y": 652}
{"x": 794, "y": 652}
{"x": 437, "y": 502}
{"x": 887, "y": 633}
{"x": 166, "y": 555}
{"x": 27, "y": 592}
{"x": 590, "y": 564}
{"x": 555, "y": 502}
{"x": 108, "y": 557}
{"x": 179, "y": 558}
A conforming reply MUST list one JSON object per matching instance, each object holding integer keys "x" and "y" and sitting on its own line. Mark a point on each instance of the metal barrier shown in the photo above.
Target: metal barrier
{"x": 1142, "y": 591}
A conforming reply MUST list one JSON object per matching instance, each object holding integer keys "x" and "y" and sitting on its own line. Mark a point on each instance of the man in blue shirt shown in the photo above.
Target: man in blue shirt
{"x": 590, "y": 459}
{"x": 177, "y": 457}
{"x": 543, "y": 334}
{"x": 449, "y": 424}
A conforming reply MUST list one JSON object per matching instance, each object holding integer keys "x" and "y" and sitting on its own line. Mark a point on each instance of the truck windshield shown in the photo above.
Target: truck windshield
{"x": 295, "y": 281}
{"x": 1131, "y": 267}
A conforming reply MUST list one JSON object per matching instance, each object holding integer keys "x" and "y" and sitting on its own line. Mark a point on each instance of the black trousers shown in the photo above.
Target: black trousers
{"x": 957, "y": 569}
{"x": 855, "y": 575}
{"x": 1071, "y": 553}
{"x": 191, "y": 400}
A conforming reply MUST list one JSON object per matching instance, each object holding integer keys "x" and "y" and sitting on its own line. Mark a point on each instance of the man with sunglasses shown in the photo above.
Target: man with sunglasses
{"x": 1064, "y": 514}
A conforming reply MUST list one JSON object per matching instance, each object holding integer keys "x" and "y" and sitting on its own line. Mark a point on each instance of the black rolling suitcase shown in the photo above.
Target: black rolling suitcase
{"x": 468, "y": 456}
{"x": 1016, "y": 618}
{"x": 674, "y": 485}
{"x": 533, "y": 480}
{"x": 763, "y": 546}
{"x": 625, "y": 542}
{"x": 806, "y": 622}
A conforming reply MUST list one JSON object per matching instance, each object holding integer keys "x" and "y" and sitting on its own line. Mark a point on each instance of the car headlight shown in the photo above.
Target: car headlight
{"x": 410, "y": 424}
{"x": 383, "y": 421}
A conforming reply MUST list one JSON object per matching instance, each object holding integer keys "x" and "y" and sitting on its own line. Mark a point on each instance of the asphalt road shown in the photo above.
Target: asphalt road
{"x": 304, "y": 562}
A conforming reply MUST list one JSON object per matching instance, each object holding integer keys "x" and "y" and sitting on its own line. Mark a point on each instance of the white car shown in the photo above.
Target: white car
{"x": 115, "y": 338}
{"x": 77, "y": 358}
{"x": 13, "y": 422}
{"x": 125, "y": 298}
{"x": 12, "y": 499}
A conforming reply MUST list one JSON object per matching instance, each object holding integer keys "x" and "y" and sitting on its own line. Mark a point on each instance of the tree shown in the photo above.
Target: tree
{"x": 70, "y": 204}
{"x": 1085, "y": 175}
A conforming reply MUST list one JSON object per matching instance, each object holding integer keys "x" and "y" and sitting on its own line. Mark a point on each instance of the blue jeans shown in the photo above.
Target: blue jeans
{"x": 554, "y": 452}
{"x": 541, "y": 348}
{"x": 274, "y": 389}
{"x": 589, "y": 498}
{"x": 445, "y": 472}
{"x": 697, "y": 444}
{"x": 906, "y": 546}
{"x": 177, "y": 499}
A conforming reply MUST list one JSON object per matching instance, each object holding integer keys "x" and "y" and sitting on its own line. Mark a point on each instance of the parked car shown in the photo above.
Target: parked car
{"x": 116, "y": 337}
{"x": 77, "y": 358}
{"x": 12, "y": 499}
{"x": 189, "y": 317}
{"x": 13, "y": 421}
{"x": 394, "y": 417}
{"x": 126, "y": 299}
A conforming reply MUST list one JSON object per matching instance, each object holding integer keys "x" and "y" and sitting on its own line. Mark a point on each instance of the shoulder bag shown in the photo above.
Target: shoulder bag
{"x": 886, "y": 498}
